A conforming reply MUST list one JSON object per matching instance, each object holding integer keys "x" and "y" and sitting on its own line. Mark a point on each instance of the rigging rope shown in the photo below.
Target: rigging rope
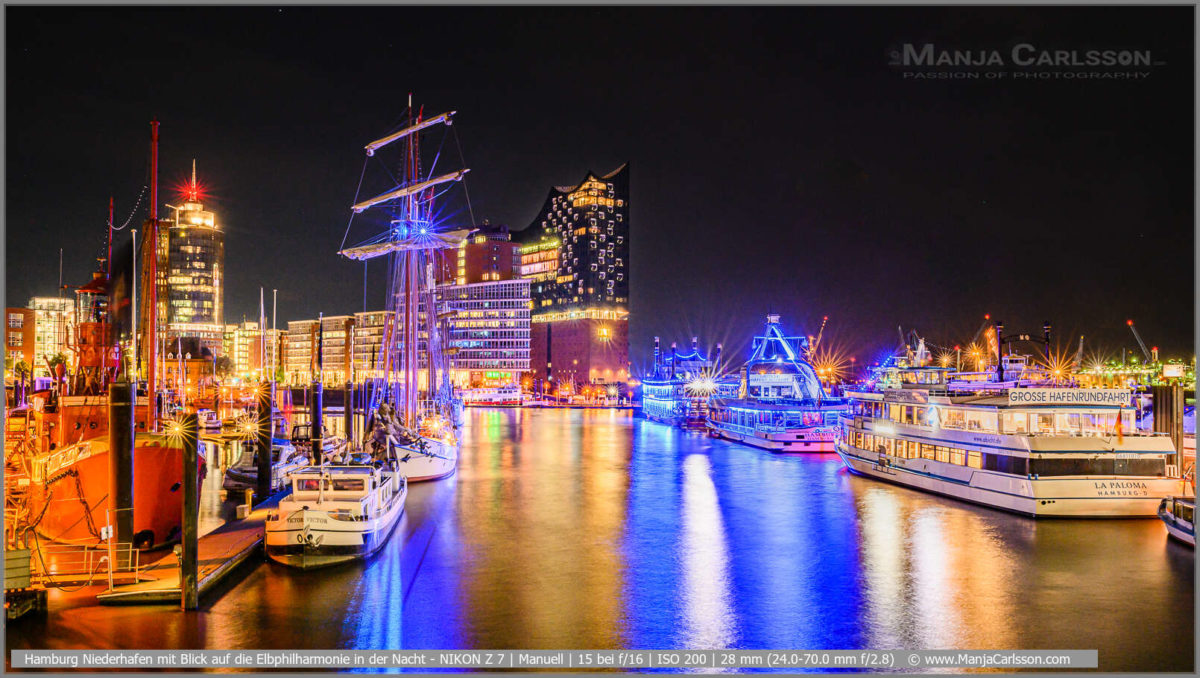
{"x": 356, "y": 191}
{"x": 463, "y": 160}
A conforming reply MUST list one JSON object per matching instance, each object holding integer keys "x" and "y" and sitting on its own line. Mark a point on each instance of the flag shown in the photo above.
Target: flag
{"x": 1119, "y": 428}
{"x": 993, "y": 347}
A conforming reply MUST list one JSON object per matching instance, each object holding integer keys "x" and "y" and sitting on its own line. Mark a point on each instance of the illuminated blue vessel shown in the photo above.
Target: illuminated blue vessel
{"x": 781, "y": 405}
{"x": 678, "y": 390}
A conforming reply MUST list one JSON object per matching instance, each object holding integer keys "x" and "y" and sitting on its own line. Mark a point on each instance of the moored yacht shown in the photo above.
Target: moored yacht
{"x": 1179, "y": 515}
{"x": 1036, "y": 451}
{"x": 332, "y": 446}
{"x": 781, "y": 406}
{"x": 209, "y": 420}
{"x": 335, "y": 514}
{"x": 285, "y": 458}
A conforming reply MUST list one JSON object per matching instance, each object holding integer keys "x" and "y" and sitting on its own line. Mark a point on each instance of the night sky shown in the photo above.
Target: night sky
{"x": 778, "y": 162}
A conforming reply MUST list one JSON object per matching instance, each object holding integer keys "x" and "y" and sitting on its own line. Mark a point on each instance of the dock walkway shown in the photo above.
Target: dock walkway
{"x": 220, "y": 553}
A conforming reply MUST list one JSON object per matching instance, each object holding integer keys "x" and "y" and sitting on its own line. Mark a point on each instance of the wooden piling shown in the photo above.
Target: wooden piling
{"x": 263, "y": 435}
{"x": 120, "y": 459}
{"x": 189, "y": 561}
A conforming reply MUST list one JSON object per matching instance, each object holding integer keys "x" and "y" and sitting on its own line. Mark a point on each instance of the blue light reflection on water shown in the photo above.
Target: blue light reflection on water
{"x": 729, "y": 546}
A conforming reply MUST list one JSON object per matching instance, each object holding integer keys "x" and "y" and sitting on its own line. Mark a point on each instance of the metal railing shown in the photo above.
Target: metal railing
{"x": 70, "y": 563}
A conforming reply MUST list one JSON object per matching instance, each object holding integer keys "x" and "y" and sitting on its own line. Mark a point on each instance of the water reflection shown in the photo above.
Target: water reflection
{"x": 592, "y": 529}
{"x": 708, "y": 620}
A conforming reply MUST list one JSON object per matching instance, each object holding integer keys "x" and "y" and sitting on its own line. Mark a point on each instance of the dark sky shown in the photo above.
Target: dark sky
{"x": 778, "y": 162}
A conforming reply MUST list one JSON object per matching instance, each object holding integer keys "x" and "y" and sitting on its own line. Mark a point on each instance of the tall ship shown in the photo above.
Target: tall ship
{"x": 61, "y": 451}
{"x": 678, "y": 389}
{"x": 1041, "y": 452}
{"x": 781, "y": 404}
{"x": 414, "y": 412}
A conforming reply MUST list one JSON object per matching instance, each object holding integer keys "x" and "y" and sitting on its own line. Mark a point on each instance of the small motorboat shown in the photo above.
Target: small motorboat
{"x": 332, "y": 447}
{"x": 285, "y": 458}
{"x": 336, "y": 513}
{"x": 1178, "y": 514}
{"x": 209, "y": 420}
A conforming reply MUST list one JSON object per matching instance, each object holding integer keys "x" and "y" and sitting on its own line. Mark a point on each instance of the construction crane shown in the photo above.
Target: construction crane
{"x": 817, "y": 342}
{"x": 987, "y": 320}
{"x": 1141, "y": 343}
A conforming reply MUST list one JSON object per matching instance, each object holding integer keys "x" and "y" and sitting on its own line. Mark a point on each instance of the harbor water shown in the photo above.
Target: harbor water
{"x": 592, "y": 529}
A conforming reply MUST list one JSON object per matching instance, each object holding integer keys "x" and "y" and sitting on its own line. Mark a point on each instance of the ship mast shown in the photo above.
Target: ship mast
{"x": 150, "y": 286}
{"x": 412, "y": 241}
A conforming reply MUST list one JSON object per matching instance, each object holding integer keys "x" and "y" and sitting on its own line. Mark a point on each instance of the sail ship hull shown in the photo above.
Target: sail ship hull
{"x": 437, "y": 461}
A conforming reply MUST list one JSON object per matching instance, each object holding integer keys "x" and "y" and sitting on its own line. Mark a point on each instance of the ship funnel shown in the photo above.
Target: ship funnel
{"x": 695, "y": 341}
{"x": 657, "y": 354}
{"x": 674, "y": 358}
{"x": 1046, "y": 335}
{"x": 716, "y": 361}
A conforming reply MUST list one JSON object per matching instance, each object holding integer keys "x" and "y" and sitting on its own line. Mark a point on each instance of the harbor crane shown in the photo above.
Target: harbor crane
{"x": 817, "y": 341}
{"x": 1145, "y": 351}
{"x": 987, "y": 320}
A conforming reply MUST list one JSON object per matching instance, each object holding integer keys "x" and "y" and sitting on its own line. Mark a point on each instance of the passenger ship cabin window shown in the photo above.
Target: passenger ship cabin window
{"x": 1015, "y": 423}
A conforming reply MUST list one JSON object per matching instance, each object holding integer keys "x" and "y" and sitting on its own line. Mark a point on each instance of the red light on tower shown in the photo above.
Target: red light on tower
{"x": 192, "y": 190}
{"x": 1129, "y": 322}
{"x": 987, "y": 316}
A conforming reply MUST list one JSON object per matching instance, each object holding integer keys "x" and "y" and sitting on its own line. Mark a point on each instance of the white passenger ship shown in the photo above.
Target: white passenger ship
{"x": 1036, "y": 451}
{"x": 782, "y": 406}
{"x": 499, "y": 396}
{"x": 335, "y": 514}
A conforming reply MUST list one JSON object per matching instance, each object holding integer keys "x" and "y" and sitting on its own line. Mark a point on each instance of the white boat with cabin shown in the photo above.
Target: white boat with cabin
{"x": 508, "y": 395}
{"x": 1179, "y": 516}
{"x": 335, "y": 514}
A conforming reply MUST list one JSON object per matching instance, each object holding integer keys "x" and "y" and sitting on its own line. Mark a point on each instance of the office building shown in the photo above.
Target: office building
{"x": 488, "y": 331}
{"x": 20, "y": 337}
{"x": 55, "y": 319}
{"x": 191, "y": 273}
{"x": 251, "y": 349}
